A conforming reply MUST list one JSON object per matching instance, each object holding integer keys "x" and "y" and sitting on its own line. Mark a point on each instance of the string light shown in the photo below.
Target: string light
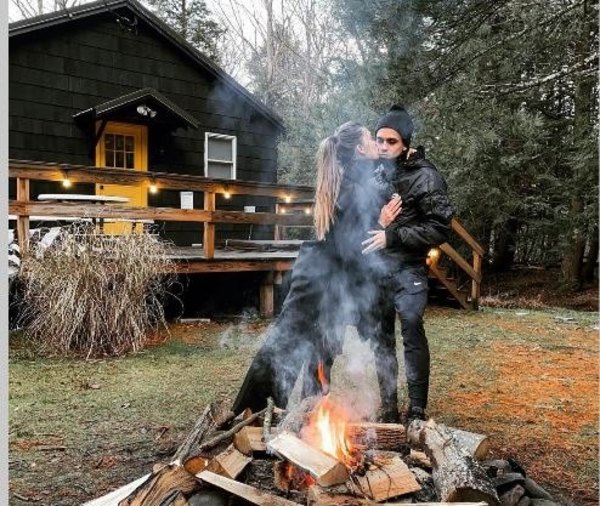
{"x": 287, "y": 199}
{"x": 307, "y": 210}
{"x": 66, "y": 182}
{"x": 227, "y": 195}
{"x": 153, "y": 188}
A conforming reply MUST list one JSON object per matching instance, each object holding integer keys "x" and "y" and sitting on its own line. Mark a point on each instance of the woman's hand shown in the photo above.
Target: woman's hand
{"x": 375, "y": 242}
{"x": 390, "y": 211}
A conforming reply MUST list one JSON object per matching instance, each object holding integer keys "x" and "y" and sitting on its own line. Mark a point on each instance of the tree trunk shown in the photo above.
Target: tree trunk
{"x": 505, "y": 243}
{"x": 592, "y": 258}
{"x": 582, "y": 127}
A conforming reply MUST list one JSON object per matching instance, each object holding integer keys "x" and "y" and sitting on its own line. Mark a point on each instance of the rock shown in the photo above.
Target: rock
{"x": 496, "y": 467}
{"x": 542, "y": 502}
{"x": 208, "y": 498}
{"x": 535, "y": 491}
{"x": 516, "y": 466}
{"x": 507, "y": 481}
{"x": 512, "y": 496}
{"x": 525, "y": 501}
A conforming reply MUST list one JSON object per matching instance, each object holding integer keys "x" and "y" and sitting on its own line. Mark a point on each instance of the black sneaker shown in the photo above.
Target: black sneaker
{"x": 415, "y": 413}
{"x": 389, "y": 416}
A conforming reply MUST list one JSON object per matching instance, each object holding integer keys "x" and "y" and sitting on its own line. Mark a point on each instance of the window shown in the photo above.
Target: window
{"x": 219, "y": 156}
{"x": 119, "y": 150}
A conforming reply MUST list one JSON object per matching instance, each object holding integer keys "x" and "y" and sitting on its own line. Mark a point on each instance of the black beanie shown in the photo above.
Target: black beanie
{"x": 397, "y": 118}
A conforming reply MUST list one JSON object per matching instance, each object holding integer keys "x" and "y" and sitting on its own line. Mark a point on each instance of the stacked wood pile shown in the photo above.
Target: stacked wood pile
{"x": 259, "y": 458}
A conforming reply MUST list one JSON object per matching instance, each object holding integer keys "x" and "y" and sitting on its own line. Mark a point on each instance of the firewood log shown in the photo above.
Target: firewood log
{"x": 213, "y": 416}
{"x": 389, "y": 477}
{"x": 246, "y": 492}
{"x": 325, "y": 469}
{"x": 229, "y": 463}
{"x": 456, "y": 474}
{"x": 161, "y": 485}
{"x": 250, "y": 439}
{"x": 380, "y": 436}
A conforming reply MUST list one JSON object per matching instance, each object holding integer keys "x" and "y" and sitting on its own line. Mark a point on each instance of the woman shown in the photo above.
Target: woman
{"x": 311, "y": 323}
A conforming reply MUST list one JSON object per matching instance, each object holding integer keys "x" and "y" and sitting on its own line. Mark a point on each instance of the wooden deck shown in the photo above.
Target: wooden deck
{"x": 292, "y": 209}
{"x": 192, "y": 260}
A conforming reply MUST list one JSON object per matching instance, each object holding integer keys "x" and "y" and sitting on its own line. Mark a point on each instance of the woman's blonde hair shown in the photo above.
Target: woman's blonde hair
{"x": 334, "y": 154}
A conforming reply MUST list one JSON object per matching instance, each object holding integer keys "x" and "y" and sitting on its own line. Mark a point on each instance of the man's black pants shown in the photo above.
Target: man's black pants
{"x": 407, "y": 288}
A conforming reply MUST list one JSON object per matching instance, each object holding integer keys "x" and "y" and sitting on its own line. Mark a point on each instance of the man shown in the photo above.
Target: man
{"x": 423, "y": 223}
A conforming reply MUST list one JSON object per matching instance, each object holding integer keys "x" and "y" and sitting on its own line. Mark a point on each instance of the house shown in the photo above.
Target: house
{"x": 108, "y": 84}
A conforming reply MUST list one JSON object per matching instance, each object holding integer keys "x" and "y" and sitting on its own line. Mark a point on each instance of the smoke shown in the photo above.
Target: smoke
{"x": 238, "y": 336}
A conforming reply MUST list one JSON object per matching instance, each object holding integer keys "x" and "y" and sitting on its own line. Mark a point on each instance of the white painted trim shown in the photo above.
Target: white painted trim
{"x": 233, "y": 162}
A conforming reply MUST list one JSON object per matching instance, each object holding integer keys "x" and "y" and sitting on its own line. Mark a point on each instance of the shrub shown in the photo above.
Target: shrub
{"x": 93, "y": 294}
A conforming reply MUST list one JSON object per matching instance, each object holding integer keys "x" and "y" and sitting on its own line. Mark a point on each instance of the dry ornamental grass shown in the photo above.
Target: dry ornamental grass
{"x": 93, "y": 294}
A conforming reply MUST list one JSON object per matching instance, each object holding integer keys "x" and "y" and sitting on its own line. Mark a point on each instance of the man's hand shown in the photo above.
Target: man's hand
{"x": 390, "y": 211}
{"x": 375, "y": 242}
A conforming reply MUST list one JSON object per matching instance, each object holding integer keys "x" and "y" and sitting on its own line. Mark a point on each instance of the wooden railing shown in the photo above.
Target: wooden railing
{"x": 23, "y": 207}
{"x": 290, "y": 198}
{"x": 472, "y": 270}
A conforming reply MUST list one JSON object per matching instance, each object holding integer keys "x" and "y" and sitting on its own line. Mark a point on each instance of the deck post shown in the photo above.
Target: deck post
{"x": 209, "y": 228}
{"x": 475, "y": 284}
{"x": 279, "y": 232}
{"x": 23, "y": 221}
{"x": 267, "y": 298}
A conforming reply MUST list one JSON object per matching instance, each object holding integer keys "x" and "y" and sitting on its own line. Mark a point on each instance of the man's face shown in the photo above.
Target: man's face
{"x": 389, "y": 143}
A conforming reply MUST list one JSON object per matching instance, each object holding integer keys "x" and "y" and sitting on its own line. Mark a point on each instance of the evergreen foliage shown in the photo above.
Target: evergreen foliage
{"x": 193, "y": 21}
{"x": 505, "y": 98}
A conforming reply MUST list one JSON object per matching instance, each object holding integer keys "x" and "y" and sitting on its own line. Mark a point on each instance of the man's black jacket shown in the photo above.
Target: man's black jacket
{"x": 426, "y": 210}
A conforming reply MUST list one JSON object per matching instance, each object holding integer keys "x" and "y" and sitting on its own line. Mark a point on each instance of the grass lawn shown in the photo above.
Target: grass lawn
{"x": 526, "y": 378}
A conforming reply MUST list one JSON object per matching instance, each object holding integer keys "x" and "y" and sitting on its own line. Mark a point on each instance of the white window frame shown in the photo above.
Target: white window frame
{"x": 233, "y": 163}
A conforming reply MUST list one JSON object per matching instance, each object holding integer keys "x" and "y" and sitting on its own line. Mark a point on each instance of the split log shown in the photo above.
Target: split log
{"x": 115, "y": 496}
{"x": 246, "y": 492}
{"x": 325, "y": 469}
{"x": 214, "y": 416}
{"x": 380, "y": 436}
{"x": 389, "y": 477}
{"x": 229, "y": 463}
{"x": 197, "y": 463}
{"x": 171, "y": 478}
{"x": 456, "y": 475}
{"x": 317, "y": 496}
{"x": 419, "y": 459}
{"x": 175, "y": 499}
{"x": 288, "y": 478}
{"x": 224, "y": 436}
{"x": 250, "y": 439}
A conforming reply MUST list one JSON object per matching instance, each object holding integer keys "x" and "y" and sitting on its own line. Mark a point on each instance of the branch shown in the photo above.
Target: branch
{"x": 517, "y": 87}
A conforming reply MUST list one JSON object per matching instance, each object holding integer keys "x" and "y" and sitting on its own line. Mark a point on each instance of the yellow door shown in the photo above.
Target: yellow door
{"x": 123, "y": 146}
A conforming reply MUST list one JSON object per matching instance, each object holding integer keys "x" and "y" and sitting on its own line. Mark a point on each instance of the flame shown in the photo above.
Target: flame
{"x": 326, "y": 428}
{"x": 322, "y": 378}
